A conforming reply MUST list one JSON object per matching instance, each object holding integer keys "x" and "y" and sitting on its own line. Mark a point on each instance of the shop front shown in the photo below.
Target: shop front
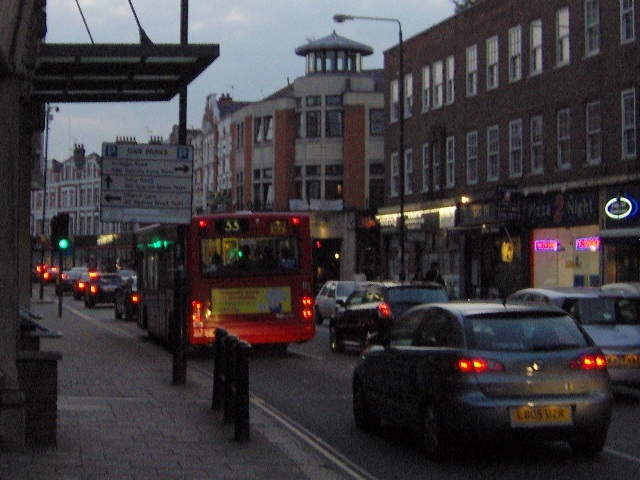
{"x": 494, "y": 262}
{"x": 620, "y": 234}
{"x": 564, "y": 244}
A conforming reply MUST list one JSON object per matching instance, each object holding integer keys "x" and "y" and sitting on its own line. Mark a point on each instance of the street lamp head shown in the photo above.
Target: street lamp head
{"x": 340, "y": 18}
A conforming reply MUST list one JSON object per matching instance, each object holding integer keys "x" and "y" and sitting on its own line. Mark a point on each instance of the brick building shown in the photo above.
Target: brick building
{"x": 521, "y": 154}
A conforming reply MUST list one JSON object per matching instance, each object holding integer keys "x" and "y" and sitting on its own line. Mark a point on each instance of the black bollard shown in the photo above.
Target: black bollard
{"x": 230, "y": 345}
{"x": 242, "y": 392}
{"x": 217, "y": 397}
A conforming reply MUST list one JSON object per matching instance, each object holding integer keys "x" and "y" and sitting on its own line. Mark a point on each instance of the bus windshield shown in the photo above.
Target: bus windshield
{"x": 255, "y": 256}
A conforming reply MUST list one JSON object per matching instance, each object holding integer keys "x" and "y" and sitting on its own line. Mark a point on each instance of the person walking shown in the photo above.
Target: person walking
{"x": 433, "y": 274}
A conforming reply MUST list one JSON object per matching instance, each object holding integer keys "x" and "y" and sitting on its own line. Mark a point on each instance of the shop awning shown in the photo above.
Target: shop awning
{"x": 116, "y": 72}
{"x": 619, "y": 233}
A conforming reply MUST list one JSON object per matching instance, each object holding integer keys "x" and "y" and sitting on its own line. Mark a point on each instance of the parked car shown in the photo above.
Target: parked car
{"x": 459, "y": 372}
{"x": 68, "y": 277}
{"x": 372, "y": 306}
{"x": 80, "y": 284}
{"x": 127, "y": 300}
{"x": 102, "y": 289}
{"x": 605, "y": 315}
{"x": 332, "y": 291}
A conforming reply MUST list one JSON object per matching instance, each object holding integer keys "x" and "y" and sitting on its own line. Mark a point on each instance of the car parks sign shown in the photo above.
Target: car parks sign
{"x": 144, "y": 183}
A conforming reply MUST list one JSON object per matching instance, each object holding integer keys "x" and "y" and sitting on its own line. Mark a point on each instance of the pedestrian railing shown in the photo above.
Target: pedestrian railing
{"x": 231, "y": 382}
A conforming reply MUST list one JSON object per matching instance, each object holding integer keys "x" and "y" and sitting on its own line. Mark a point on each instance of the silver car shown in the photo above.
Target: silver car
{"x": 610, "y": 317}
{"x": 463, "y": 371}
{"x": 329, "y": 294}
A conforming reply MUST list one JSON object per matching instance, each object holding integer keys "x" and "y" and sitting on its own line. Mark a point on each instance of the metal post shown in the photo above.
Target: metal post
{"x": 230, "y": 346}
{"x": 339, "y": 18}
{"x": 179, "y": 376}
{"x": 59, "y": 283}
{"x": 242, "y": 392}
{"x": 217, "y": 397}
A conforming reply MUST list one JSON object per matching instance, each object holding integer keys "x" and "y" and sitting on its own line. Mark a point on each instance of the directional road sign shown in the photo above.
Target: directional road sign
{"x": 146, "y": 183}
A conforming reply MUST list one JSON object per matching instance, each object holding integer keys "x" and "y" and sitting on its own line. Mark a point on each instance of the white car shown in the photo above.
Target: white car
{"x": 608, "y": 315}
{"x": 329, "y": 294}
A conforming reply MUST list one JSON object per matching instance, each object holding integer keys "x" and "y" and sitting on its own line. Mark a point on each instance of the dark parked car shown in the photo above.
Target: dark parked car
{"x": 460, "y": 372}
{"x": 127, "y": 300}
{"x": 372, "y": 306}
{"x": 102, "y": 289}
{"x": 608, "y": 315}
{"x": 68, "y": 277}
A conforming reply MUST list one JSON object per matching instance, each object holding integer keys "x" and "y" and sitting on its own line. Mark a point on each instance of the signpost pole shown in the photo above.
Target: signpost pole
{"x": 179, "y": 376}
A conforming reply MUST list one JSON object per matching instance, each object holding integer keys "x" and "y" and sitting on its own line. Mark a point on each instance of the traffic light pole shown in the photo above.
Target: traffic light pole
{"x": 58, "y": 283}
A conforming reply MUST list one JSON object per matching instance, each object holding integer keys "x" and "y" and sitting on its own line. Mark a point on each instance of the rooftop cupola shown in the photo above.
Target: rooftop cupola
{"x": 334, "y": 54}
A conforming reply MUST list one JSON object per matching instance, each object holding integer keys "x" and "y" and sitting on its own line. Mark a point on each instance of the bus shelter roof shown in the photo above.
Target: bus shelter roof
{"x": 67, "y": 73}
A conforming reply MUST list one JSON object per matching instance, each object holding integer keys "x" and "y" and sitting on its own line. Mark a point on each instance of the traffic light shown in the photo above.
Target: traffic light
{"x": 60, "y": 232}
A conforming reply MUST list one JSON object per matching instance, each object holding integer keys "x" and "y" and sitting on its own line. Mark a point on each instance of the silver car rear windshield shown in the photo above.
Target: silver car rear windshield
{"x": 417, "y": 295}
{"x": 524, "y": 334}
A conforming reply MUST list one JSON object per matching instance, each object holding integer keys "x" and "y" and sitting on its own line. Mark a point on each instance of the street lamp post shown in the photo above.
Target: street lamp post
{"x": 48, "y": 116}
{"x": 340, "y": 18}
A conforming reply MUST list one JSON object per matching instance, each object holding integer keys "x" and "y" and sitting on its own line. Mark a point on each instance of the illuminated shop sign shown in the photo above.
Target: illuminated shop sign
{"x": 546, "y": 245}
{"x": 620, "y": 207}
{"x": 588, "y": 243}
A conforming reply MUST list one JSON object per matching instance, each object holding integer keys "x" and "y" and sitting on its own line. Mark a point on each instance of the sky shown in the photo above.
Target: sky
{"x": 257, "y": 40}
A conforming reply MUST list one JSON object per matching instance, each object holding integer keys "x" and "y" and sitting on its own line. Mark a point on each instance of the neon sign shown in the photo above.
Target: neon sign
{"x": 620, "y": 207}
{"x": 588, "y": 243}
{"x": 546, "y": 245}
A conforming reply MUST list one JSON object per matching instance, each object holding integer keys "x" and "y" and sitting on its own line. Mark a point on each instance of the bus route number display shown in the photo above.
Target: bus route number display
{"x": 232, "y": 226}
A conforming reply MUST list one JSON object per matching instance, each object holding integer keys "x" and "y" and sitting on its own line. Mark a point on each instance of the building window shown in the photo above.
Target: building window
{"x": 515, "y": 54}
{"x": 395, "y": 175}
{"x": 426, "y": 166}
{"x": 515, "y": 148}
{"x": 426, "y": 88}
{"x": 472, "y": 70}
{"x": 333, "y": 100}
{"x": 240, "y": 134}
{"x": 450, "y": 169}
{"x": 376, "y": 122}
{"x": 268, "y": 128}
{"x": 628, "y": 124}
{"x": 564, "y": 139}
{"x": 493, "y": 151}
{"x": 394, "y": 101}
{"x": 408, "y": 95}
{"x": 436, "y": 166}
{"x": 492, "y": 63}
{"x": 536, "y": 144}
{"x": 535, "y": 46}
{"x": 333, "y": 124}
{"x": 240, "y": 190}
{"x": 314, "y": 101}
{"x": 627, "y": 21}
{"x": 562, "y": 37}
{"x": 472, "y": 158}
{"x": 313, "y": 124}
{"x": 314, "y": 189}
{"x": 591, "y": 27}
{"x": 333, "y": 189}
{"x": 594, "y": 133}
{"x": 257, "y": 130}
{"x": 438, "y": 84}
{"x": 450, "y": 85}
{"x": 408, "y": 171}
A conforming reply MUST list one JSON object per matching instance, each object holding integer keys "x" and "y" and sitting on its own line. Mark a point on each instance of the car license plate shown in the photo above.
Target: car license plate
{"x": 541, "y": 416}
{"x": 630, "y": 360}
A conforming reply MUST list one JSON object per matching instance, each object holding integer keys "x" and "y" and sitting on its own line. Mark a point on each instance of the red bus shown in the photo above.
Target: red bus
{"x": 249, "y": 273}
